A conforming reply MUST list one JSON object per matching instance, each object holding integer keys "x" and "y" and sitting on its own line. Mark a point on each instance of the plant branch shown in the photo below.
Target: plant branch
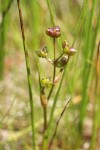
{"x": 49, "y": 60}
{"x": 46, "y": 135}
{"x": 54, "y": 72}
{"x": 57, "y": 123}
{"x": 44, "y": 108}
{"x": 28, "y": 74}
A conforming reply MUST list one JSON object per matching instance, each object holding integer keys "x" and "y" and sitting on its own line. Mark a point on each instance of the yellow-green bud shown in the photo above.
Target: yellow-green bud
{"x": 42, "y": 53}
{"x": 66, "y": 50}
{"x": 64, "y": 44}
{"x": 46, "y": 82}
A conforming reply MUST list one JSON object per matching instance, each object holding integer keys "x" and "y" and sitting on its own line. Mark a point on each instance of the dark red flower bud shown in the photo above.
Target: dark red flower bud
{"x": 54, "y": 32}
{"x": 64, "y": 60}
{"x": 61, "y": 62}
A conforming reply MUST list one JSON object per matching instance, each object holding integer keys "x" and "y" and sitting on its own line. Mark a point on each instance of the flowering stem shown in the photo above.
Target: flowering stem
{"x": 44, "y": 108}
{"x": 28, "y": 74}
{"x": 54, "y": 64}
{"x": 54, "y": 71}
{"x": 45, "y": 118}
{"x": 47, "y": 133}
{"x": 59, "y": 57}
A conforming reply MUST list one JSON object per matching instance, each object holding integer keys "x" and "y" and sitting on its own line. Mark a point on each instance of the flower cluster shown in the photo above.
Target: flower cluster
{"x": 59, "y": 62}
{"x": 68, "y": 50}
{"x": 43, "y": 52}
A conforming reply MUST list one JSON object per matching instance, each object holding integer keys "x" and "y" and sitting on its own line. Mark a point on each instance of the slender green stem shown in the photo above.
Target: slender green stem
{"x": 2, "y": 47}
{"x": 33, "y": 11}
{"x": 87, "y": 67}
{"x": 59, "y": 56}
{"x": 3, "y": 28}
{"x": 46, "y": 135}
{"x": 57, "y": 123}
{"x": 28, "y": 74}
{"x": 45, "y": 118}
{"x": 5, "y": 13}
{"x": 44, "y": 108}
{"x": 94, "y": 128}
{"x": 49, "y": 60}
{"x": 57, "y": 94}
{"x": 51, "y": 14}
{"x": 54, "y": 72}
{"x": 81, "y": 18}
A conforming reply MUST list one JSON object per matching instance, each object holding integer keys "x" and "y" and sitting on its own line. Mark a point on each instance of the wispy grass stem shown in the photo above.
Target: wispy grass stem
{"x": 57, "y": 123}
{"x": 51, "y": 13}
{"x": 28, "y": 74}
{"x": 94, "y": 128}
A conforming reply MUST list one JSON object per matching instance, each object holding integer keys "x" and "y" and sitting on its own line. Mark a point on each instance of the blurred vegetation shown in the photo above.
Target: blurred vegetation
{"x": 79, "y": 20}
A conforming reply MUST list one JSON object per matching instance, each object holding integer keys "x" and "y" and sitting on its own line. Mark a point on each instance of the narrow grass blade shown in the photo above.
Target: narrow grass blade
{"x": 88, "y": 50}
{"x": 3, "y": 29}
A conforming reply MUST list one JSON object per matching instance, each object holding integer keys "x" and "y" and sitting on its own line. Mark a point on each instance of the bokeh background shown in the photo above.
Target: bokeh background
{"x": 80, "y": 25}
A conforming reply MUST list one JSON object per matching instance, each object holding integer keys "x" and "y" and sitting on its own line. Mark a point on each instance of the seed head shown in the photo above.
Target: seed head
{"x": 70, "y": 51}
{"x": 64, "y": 60}
{"x": 42, "y": 53}
{"x": 54, "y": 32}
{"x": 60, "y": 63}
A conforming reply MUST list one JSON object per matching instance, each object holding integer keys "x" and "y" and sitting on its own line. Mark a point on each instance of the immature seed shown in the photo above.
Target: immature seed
{"x": 71, "y": 51}
{"x": 64, "y": 44}
{"x": 43, "y": 52}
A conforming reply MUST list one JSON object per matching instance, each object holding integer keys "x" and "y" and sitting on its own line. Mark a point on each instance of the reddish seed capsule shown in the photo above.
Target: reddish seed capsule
{"x": 54, "y": 32}
{"x": 61, "y": 62}
{"x": 64, "y": 60}
{"x": 71, "y": 51}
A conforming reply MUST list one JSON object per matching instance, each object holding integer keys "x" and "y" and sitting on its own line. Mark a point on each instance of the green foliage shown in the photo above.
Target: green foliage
{"x": 61, "y": 75}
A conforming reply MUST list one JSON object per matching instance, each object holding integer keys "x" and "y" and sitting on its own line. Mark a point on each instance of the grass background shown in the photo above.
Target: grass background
{"x": 80, "y": 26}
